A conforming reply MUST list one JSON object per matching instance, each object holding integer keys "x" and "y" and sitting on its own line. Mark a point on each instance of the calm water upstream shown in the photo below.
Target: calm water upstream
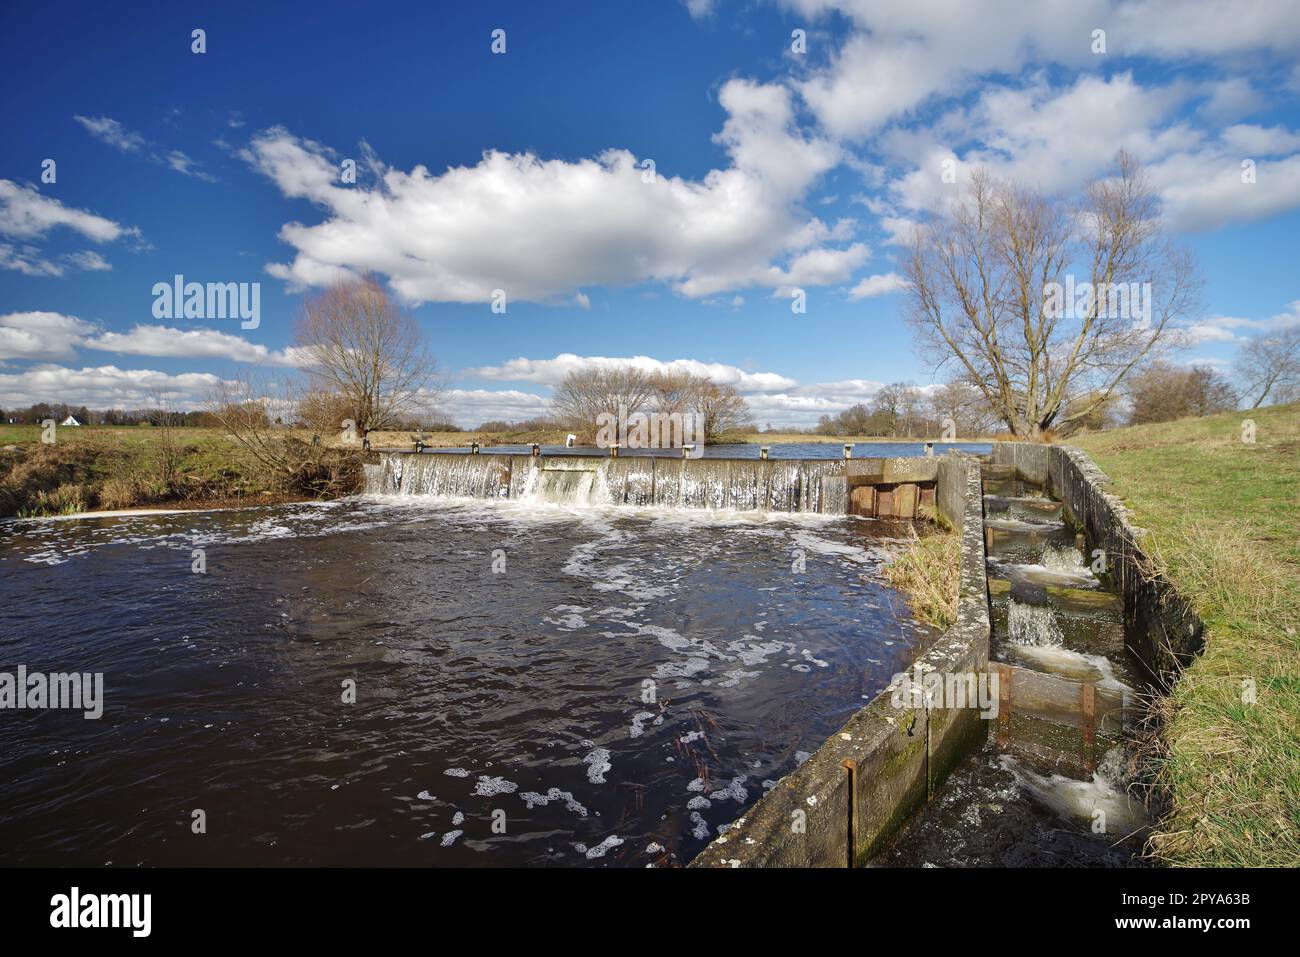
{"x": 525, "y": 691}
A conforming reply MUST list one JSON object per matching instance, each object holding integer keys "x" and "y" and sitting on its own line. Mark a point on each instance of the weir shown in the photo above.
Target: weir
{"x": 870, "y": 487}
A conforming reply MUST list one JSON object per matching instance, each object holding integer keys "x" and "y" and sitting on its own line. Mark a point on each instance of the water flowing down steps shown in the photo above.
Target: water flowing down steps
{"x": 1055, "y": 762}
{"x": 1058, "y": 634}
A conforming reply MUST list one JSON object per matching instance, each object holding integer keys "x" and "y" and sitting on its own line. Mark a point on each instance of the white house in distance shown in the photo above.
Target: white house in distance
{"x": 70, "y": 420}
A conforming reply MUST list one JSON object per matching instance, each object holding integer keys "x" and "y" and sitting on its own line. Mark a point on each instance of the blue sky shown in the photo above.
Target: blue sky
{"x": 774, "y": 170}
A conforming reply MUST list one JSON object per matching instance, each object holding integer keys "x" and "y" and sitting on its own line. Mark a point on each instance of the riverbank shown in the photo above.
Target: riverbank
{"x": 1222, "y": 514}
{"x": 112, "y": 469}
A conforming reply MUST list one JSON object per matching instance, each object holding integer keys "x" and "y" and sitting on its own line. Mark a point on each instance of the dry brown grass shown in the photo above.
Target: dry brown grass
{"x": 928, "y": 574}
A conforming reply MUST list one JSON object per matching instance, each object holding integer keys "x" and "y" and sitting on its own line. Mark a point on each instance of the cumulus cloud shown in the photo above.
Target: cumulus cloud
{"x": 551, "y": 372}
{"x": 166, "y": 341}
{"x": 51, "y": 335}
{"x": 879, "y": 285}
{"x": 903, "y": 53}
{"x": 473, "y": 407}
{"x": 1058, "y": 138}
{"x": 41, "y": 335}
{"x": 104, "y": 387}
{"x": 26, "y": 214}
{"x": 1214, "y": 329}
{"x": 542, "y": 229}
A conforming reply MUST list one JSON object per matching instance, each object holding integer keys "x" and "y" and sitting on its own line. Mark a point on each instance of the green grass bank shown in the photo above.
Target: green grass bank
{"x": 1223, "y": 515}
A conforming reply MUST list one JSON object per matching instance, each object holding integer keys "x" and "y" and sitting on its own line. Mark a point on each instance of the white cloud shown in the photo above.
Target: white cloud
{"x": 51, "y": 335}
{"x": 1230, "y": 100}
{"x": 1253, "y": 141}
{"x": 112, "y": 132}
{"x": 551, "y": 372}
{"x": 26, "y": 214}
{"x": 903, "y": 52}
{"x": 41, "y": 335}
{"x": 1238, "y": 328}
{"x": 31, "y": 261}
{"x": 104, "y": 387}
{"x": 1204, "y": 189}
{"x": 166, "y": 341}
{"x": 470, "y": 408}
{"x": 542, "y": 229}
{"x": 878, "y": 285}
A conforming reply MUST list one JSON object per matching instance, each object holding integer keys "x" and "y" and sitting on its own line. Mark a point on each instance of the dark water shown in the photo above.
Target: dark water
{"x": 522, "y": 692}
{"x": 783, "y": 450}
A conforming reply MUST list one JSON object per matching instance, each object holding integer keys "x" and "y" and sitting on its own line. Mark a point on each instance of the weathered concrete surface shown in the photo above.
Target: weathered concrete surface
{"x": 858, "y": 788}
{"x": 1162, "y": 630}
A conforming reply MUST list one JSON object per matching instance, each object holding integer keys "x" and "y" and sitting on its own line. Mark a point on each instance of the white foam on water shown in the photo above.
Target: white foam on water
{"x": 449, "y": 838}
{"x": 1055, "y": 658}
{"x": 1079, "y": 801}
{"x": 732, "y": 678}
{"x": 1020, "y": 525}
{"x": 701, "y": 826}
{"x": 533, "y": 799}
{"x": 735, "y": 791}
{"x": 604, "y": 847}
{"x": 1032, "y": 625}
{"x": 492, "y": 786}
{"x": 638, "y": 723}
{"x": 1064, "y": 558}
{"x": 597, "y": 765}
{"x": 456, "y": 773}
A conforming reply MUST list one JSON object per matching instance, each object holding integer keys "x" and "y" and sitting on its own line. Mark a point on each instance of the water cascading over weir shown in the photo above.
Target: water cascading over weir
{"x": 879, "y": 487}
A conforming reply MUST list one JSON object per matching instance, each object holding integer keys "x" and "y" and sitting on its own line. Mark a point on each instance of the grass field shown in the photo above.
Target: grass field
{"x": 1224, "y": 522}
{"x": 106, "y": 467}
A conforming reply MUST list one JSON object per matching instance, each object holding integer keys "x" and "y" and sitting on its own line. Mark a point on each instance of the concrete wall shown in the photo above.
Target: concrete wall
{"x": 857, "y": 789}
{"x": 1160, "y": 626}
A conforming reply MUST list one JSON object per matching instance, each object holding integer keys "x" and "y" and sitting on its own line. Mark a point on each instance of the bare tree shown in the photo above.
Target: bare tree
{"x": 723, "y": 408}
{"x": 990, "y": 282}
{"x": 247, "y": 409}
{"x": 166, "y": 421}
{"x": 358, "y": 344}
{"x": 966, "y": 407}
{"x": 1161, "y": 392}
{"x": 585, "y": 394}
{"x": 1270, "y": 365}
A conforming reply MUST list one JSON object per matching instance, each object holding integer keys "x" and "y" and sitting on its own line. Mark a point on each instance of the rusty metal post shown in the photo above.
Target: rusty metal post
{"x": 852, "y": 767}
{"x": 1088, "y": 706}
{"x": 1004, "y": 706}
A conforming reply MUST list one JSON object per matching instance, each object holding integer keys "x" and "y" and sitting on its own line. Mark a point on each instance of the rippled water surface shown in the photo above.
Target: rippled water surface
{"x": 621, "y": 688}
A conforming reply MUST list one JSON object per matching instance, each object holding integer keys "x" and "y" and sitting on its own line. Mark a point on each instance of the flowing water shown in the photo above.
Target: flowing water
{"x": 606, "y": 685}
{"x": 783, "y": 450}
{"x": 1028, "y": 798}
